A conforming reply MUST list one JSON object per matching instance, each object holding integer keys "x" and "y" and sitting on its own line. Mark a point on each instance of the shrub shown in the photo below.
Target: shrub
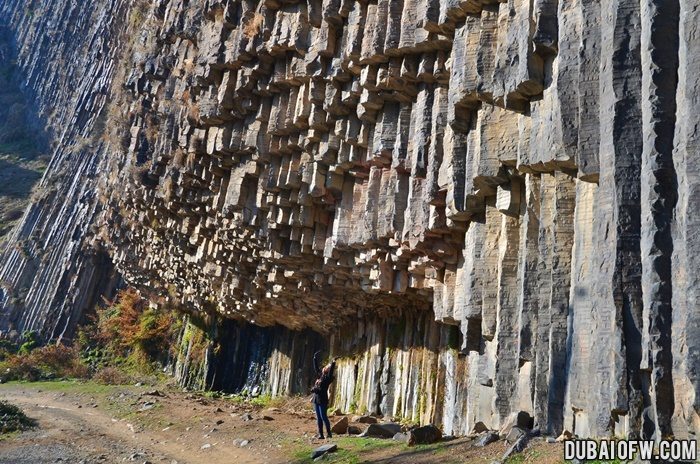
{"x": 131, "y": 330}
{"x": 47, "y": 362}
{"x": 13, "y": 418}
{"x": 30, "y": 342}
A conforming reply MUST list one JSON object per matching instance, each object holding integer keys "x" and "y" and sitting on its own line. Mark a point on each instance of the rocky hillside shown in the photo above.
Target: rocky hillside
{"x": 483, "y": 207}
{"x": 21, "y": 141}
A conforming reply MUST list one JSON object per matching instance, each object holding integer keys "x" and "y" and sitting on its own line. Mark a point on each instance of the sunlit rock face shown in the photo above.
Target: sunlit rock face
{"x": 522, "y": 172}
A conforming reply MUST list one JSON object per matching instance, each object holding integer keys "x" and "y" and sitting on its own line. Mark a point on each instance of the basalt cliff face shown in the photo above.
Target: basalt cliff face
{"x": 483, "y": 207}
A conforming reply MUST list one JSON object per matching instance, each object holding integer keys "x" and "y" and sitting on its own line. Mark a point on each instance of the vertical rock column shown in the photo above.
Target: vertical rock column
{"x": 659, "y": 46}
{"x": 686, "y": 223}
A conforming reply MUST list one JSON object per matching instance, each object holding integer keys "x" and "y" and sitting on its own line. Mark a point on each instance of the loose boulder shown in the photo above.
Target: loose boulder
{"x": 387, "y": 430}
{"x": 341, "y": 425}
{"x": 487, "y": 438}
{"x": 355, "y": 430}
{"x": 424, "y": 435}
{"x": 479, "y": 428}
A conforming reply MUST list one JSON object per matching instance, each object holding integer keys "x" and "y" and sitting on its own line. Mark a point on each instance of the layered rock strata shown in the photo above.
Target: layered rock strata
{"x": 521, "y": 170}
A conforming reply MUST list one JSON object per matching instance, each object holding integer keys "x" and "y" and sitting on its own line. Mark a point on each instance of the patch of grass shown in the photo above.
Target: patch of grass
{"x": 351, "y": 450}
{"x": 515, "y": 459}
{"x": 71, "y": 385}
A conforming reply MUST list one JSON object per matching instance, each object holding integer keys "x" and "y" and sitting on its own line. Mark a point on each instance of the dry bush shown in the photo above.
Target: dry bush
{"x": 252, "y": 26}
{"x": 132, "y": 329}
{"x": 48, "y": 362}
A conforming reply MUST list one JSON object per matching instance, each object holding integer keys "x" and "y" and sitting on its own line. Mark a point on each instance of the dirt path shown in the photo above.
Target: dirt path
{"x": 90, "y": 423}
{"x": 108, "y": 425}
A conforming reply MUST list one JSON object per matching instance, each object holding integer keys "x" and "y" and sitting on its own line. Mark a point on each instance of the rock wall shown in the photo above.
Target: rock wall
{"x": 406, "y": 367}
{"x": 521, "y": 170}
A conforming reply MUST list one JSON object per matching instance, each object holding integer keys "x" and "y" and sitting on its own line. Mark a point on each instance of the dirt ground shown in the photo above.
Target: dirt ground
{"x": 91, "y": 423}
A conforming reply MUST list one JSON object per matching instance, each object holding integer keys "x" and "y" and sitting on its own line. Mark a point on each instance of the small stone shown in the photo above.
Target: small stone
{"x": 402, "y": 437}
{"x": 246, "y": 417}
{"x": 206, "y": 446}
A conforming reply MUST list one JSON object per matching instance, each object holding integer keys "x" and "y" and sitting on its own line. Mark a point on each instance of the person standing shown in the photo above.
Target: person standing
{"x": 324, "y": 377}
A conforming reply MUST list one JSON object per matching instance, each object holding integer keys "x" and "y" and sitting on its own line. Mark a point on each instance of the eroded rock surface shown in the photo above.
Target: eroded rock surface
{"x": 522, "y": 171}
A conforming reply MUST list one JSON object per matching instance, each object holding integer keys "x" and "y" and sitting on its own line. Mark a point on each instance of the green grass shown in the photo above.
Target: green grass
{"x": 72, "y": 385}
{"x": 351, "y": 450}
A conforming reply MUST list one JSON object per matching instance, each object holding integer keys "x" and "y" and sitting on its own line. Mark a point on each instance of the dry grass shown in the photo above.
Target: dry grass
{"x": 253, "y": 25}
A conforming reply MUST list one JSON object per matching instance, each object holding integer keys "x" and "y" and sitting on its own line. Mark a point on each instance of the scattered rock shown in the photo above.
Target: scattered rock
{"x": 219, "y": 422}
{"x": 246, "y": 417}
{"x": 401, "y": 436}
{"x": 424, "y": 435}
{"x": 487, "y": 438}
{"x": 355, "y": 430}
{"x": 241, "y": 443}
{"x": 324, "y": 449}
{"x": 266, "y": 417}
{"x": 341, "y": 425}
{"x": 147, "y": 405}
{"x": 387, "y": 430}
{"x": 206, "y": 446}
{"x": 551, "y": 440}
{"x": 155, "y": 393}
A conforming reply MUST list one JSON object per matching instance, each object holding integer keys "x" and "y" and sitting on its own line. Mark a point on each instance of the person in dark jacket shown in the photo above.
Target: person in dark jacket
{"x": 320, "y": 394}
